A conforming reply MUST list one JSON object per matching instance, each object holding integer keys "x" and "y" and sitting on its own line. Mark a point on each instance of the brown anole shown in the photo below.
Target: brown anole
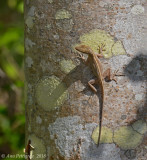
{"x": 28, "y": 150}
{"x": 94, "y": 62}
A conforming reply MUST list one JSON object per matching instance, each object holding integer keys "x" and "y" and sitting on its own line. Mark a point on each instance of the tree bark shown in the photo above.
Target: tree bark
{"x": 62, "y": 113}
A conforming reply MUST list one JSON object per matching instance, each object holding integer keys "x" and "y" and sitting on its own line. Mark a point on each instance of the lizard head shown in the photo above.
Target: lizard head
{"x": 84, "y": 49}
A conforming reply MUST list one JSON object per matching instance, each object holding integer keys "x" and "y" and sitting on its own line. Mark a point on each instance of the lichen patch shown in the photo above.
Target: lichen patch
{"x": 127, "y": 138}
{"x": 29, "y": 22}
{"x": 63, "y": 14}
{"x": 67, "y": 130}
{"x": 29, "y": 44}
{"x": 106, "y": 135}
{"x": 29, "y": 61}
{"x": 118, "y": 49}
{"x": 50, "y": 1}
{"x": 38, "y": 120}
{"x": 65, "y": 24}
{"x": 69, "y": 133}
{"x": 50, "y": 93}
{"x": 98, "y": 37}
{"x": 102, "y": 3}
{"x": 139, "y": 97}
{"x": 67, "y": 66}
{"x": 48, "y": 26}
{"x": 140, "y": 126}
{"x": 137, "y": 9}
{"x": 31, "y": 11}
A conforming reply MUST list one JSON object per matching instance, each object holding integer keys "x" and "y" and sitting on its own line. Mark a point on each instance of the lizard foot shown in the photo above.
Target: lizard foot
{"x": 113, "y": 76}
{"x": 101, "y": 48}
{"x": 80, "y": 56}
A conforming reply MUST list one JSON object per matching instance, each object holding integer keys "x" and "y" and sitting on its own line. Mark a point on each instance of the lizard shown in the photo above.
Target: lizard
{"x": 28, "y": 150}
{"x": 94, "y": 62}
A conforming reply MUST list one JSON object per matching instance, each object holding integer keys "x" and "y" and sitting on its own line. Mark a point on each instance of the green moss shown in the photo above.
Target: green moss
{"x": 106, "y": 135}
{"x": 126, "y": 138}
{"x": 96, "y": 37}
{"x": 67, "y": 66}
{"x": 50, "y": 93}
{"x": 63, "y": 14}
{"x": 140, "y": 126}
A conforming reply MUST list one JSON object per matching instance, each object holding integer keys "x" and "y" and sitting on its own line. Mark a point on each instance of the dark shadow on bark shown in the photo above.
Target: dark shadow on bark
{"x": 136, "y": 71}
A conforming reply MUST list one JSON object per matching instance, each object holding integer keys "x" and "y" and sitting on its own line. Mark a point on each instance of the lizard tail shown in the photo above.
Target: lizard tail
{"x": 99, "y": 136}
{"x": 100, "y": 115}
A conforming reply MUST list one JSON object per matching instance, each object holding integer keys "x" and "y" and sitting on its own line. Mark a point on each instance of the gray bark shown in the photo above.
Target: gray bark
{"x": 62, "y": 113}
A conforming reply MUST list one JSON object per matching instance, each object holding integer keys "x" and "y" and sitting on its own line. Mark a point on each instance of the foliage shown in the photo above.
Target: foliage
{"x": 11, "y": 77}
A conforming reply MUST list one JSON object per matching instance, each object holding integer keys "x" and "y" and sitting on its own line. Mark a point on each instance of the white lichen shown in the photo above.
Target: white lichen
{"x": 137, "y": 9}
{"x": 31, "y": 11}
{"x": 30, "y": 17}
{"x": 29, "y": 61}
{"x": 38, "y": 120}
{"x": 29, "y": 44}
{"x": 139, "y": 97}
{"x": 102, "y": 3}
{"x": 69, "y": 131}
{"x": 56, "y": 36}
{"x": 48, "y": 26}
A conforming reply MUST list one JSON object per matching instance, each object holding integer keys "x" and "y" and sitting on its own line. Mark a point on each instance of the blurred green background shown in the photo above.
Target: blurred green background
{"x": 12, "y": 114}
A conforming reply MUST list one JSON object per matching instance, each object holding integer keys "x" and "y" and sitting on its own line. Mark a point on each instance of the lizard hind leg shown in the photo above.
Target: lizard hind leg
{"x": 91, "y": 82}
{"x": 109, "y": 76}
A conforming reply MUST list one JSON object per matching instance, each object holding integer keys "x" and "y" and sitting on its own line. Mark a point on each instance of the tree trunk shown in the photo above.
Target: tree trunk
{"x": 62, "y": 112}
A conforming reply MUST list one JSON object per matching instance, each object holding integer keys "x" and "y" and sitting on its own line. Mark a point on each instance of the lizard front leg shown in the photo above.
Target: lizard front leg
{"x": 85, "y": 61}
{"x": 101, "y": 48}
{"x": 80, "y": 56}
{"x": 99, "y": 55}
